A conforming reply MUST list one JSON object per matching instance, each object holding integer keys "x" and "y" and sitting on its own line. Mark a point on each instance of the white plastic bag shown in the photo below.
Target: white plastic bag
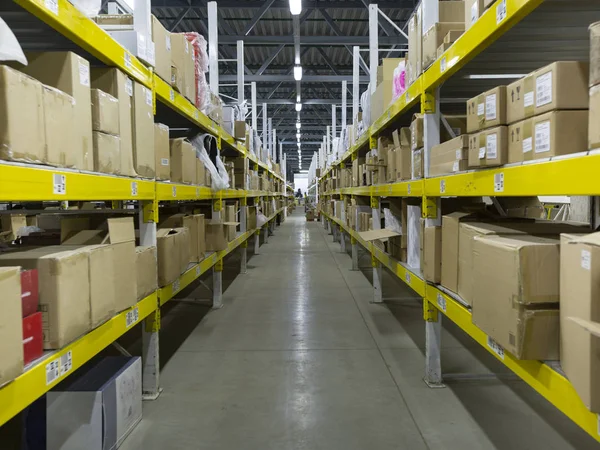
{"x": 261, "y": 219}
{"x": 10, "y": 50}
{"x": 218, "y": 174}
{"x": 392, "y": 222}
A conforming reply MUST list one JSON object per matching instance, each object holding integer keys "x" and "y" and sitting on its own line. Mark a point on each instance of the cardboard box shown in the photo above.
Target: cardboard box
{"x": 62, "y": 147}
{"x": 415, "y": 45}
{"x": 201, "y": 173}
{"x": 594, "y": 118}
{"x": 520, "y": 140}
{"x": 402, "y": 141}
{"x": 183, "y": 161}
{"x": 450, "y": 38}
{"x": 239, "y": 129}
{"x": 251, "y": 216}
{"x": 11, "y": 331}
{"x": 64, "y": 291}
{"x": 451, "y": 11}
{"x": 431, "y": 263}
{"x": 117, "y": 84}
{"x": 525, "y": 270}
{"x": 216, "y": 235}
{"x": 520, "y": 100}
{"x": 495, "y": 143}
{"x": 105, "y": 112}
{"x": 195, "y": 224}
{"x": 33, "y": 341}
{"x": 473, "y": 152}
{"x": 190, "y": 72}
{"x": 146, "y": 264}
{"x": 450, "y": 244}
{"x": 162, "y": 152}
{"x": 69, "y": 73}
{"x": 162, "y": 50}
{"x": 579, "y": 296}
{"x": 559, "y": 133}
{"x": 143, "y": 131}
{"x": 179, "y": 61}
{"x": 173, "y": 250}
{"x": 386, "y": 70}
{"x": 473, "y": 11}
{"x": 449, "y": 157}
{"x": 177, "y": 79}
{"x": 381, "y": 99}
{"x": 11, "y": 226}
{"x": 416, "y": 132}
{"x": 107, "y": 153}
{"x": 418, "y": 163}
{"x": 230, "y": 217}
{"x": 22, "y": 135}
{"x": 487, "y": 110}
{"x": 138, "y": 44}
{"x": 561, "y": 85}
{"x": 434, "y": 37}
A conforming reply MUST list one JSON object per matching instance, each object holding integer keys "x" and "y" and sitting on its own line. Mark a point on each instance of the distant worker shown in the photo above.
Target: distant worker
{"x": 299, "y": 193}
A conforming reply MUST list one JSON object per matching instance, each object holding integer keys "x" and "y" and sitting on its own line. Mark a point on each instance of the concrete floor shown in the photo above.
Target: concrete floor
{"x": 299, "y": 359}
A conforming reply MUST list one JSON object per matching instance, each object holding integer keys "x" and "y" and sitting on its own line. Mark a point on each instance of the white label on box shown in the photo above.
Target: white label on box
{"x": 481, "y": 109}
{"x": 481, "y": 152}
{"x": 491, "y": 146}
{"x": 499, "y": 182}
{"x": 174, "y": 191}
{"x": 490, "y": 107}
{"x": 176, "y": 286}
{"x": 442, "y": 186}
{"x": 132, "y": 317}
{"x": 164, "y": 161}
{"x": 148, "y": 94}
{"x": 134, "y": 188}
{"x": 586, "y": 260}
{"x": 407, "y": 277}
{"x": 527, "y": 144}
{"x": 459, "y": 154}
{"x": 52, "y": 5}
{"x": 455, "y": 166}
{"x": 543, "y": 89}
{"x": 127, "y": 59}
{"x": 66, "y": 363}
{"x": 84, "y": 74}
{"x": 542, "y": 137}
{"x": 528, "y": 99}
{"x": 441, "y": 301}
{"x": 197, "y": 271}
{"x": 474, "y": 12}
{"x": 59, "y": 184}
{"x": 52, "y": 371}
{"x": 495, "y": 347}
{"x": 168, "y": 42}
{"x": 443, "y": 64}
{"x": 129, "y": 87}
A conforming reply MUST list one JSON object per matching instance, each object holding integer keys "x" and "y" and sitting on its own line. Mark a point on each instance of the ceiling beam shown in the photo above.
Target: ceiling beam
{"x": 284, "y": 4}
{"x": 289, "y": 77}
{"x": 261, "y": 12}
{"x": 179, "y": 18}
{"x": 269, "y": 60}
{"x": 308, "y": 40}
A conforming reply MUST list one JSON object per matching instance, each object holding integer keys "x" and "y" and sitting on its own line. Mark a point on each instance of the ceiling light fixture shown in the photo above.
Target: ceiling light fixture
{"x": 298, "y": 136}
{"x": 298, "y": 107}
{"x": 295, "y": 7}
{"x": 297, "y": 73}
{"x": 298, "y": 125}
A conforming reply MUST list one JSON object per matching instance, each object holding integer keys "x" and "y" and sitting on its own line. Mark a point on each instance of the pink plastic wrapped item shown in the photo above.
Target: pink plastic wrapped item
{"x": 399, "y": 82}
{"x": 201, "y": 58}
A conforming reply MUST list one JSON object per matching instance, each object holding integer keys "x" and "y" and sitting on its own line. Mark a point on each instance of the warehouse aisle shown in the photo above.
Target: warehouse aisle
{"x": 299, "y": 359}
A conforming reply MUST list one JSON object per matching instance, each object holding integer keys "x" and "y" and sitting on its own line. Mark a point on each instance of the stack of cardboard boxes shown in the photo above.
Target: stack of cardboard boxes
{"x": 382, "y": 96}
{"x": 443, "y": 33}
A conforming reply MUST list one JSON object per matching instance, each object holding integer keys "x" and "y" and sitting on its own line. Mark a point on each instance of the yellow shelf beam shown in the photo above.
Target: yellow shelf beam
{"x": 32, "y": 384}
{"x": 412, "y": 188}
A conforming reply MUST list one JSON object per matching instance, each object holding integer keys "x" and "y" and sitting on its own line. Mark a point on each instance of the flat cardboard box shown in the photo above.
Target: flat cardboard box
{"x": 146, "y": 262}
{"x": 239, "y": 129}
{"x": 107, "y": 153}
{"x": 579, "y": 298}
{"x": 62, "y": 148}
{"x": 11, "y": 331}
{"x": 142, "y": 115}
{"x": 117, "y": 84}
{"x": 520, "y": 140}
{"x": 162, "y": 152}
{"x": 162, "y": 50}
{"x": 450, "y": 246}
{"x": 473, "y": 11}
{"x": 594, "y": 118}
{"x": 559, "y": 133}
{"x": 64, "y": 291}
{"x": 525, "y": 270}
{"x": 449, "y": 157}
{"x": 391, "y": 165}
{"x": 22, "y": 135}
{"x": 105, "y": 112}
{"x": 431, "y": 263}
{"x": 415, "y": 45}
{"x": 195, "y": 224}
{"x": 561, "y": 85}
{"x": 69, "y": 73}
{"x": 173, "y": 251}
{"x": 495, "y": 142}
{"x": 434, "y": 37}
{"x": 183, "y": 164}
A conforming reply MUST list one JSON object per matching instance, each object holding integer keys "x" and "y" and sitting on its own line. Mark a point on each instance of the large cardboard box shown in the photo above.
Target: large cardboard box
{"x": 230, "y": 217}
{"x": 64, "y": 291}
{"x": 402, "y": 141}
{"x": 162, "y": 152}
{"x": 105, "y": 112}
{"x": 495, "y": 143}
{"x": 434, "y": 37}
{"x": 450, "y": 240}
{"x": 11, "y": 331}
{"x": 487, "y": 110}
{"x": 561, "y": 85}
{"x": 69, "y": 73}
{"x": 431, "y": 263}
{"x": 143, "y": 131}
{"x": 251, "y": 216}
{"x": 594, "y": 118}
{"x": 117, "y": 84}
{"x": 451, "y": 11}
{"x": 415, "y": 44}
{"x": 416, "y": 132}
{"x": 22, "y": 135}
{"x": 183, "y": 164}
{"x": 473, "y": 10}
{"x": 162, "y": 50}
{"x": 559, "y": 133}
{"x": 449, "y": 157}
{"x": 62, "y": 147}
{"x": 195, "y": 224}
{"x": 579, "y": 299}
{"x": 190, "y": 73}
{"x": 139, "y": 44}
{"x": 146, "y": 263}
{"x": 386, "y": 70}
{"x": 173, "y": 250}
{"x": 381, "y": 99}
{"x": 179, "y": 61}
{"x": 107, "y": 153}
{"x": 525, "y": 271}
{"x": 475, "y": 157}
{"x": 520, "y": 141}
{"x": 519, "y": 99}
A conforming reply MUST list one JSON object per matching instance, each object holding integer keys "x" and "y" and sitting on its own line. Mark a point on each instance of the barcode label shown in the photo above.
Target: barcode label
{"x": 52, "y": 6}
{"x": 490, "y": 107}
{"x": 59, "y": 184}
{"x": 52, "y": 371}
{"x": 442, "y": 186}
{"x": 500, "y": 12}
{"x": 443, "y": 64}
{"x": 66, "y": 363}
{"x": 492, "y": 146}
{"x": 542, "y": 137}
{"x": 455, "y": 166}
{"x": 474, "y": 12}
{"x": 408, "y": 188}
{"x": 586, "y": 260}
{"x": 495, "y": 347}
{"x": 129, "y": 87}
{"x": 407, "y": 97}
{"x": 164, "y": 161}
{"x": 84, "y": 74}
{"x": 127, "y": 59}
{"x": 481, "y": 152}
{"x": 481, "y": 109}
{"x": 196, "y": 114}
{"x": 458, "y": 154}
{"x": 441, "y": 301}
{"x": 134, "y": 189}
{"x": 499, "y": 182}
{"x": 132, "y": 317}
{"x": 197, "y": 271}
{"x": 176, "y": 285}
{"x": 543, "y": 89}
{"x": 528, "y": 99}
{"x": 407, "y": 277}
{"x": 527, "y": 145}
{"x": 174, "y": 191}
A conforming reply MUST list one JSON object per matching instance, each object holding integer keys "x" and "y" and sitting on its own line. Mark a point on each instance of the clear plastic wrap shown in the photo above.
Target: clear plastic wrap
{"x": 365, "y": 105}
{"x": 10, "y": 50}
{"x": 261, "y": 219}
{"x": 391, "y": 221}
{"x": 90, "y": 8}
{"x": 218, "y": 173}
{"x": 414, "y": 239}
{"x": 399, "y": 81}
{"x": 201, "y": 67}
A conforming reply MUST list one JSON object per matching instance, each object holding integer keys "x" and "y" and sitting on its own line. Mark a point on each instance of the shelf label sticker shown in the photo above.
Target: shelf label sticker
{"x": 196, "y": 114}
{"x": 134, "y": 189}
{"x": 66, "y": 363}
{"x": 197, "y": 271}
{"x": 408, "y": 188}
{"x": 172, "y": 95}
{"x": 442, "y": 186}
{"x": 495, "y": 347}
{"x": 132, "y": 317}
{"x": 52, "y": 371}
{"x": 441, "y": 301}
{"x": 499, "y": 182}
{"x": 500, "y": 12}
{"x": 59, "y": 184}
{"x": 443, "y": 64}
{"x": 127, "y": 59}
{"x": 586, "y": 260}
{"x": 407, "y": 97}
{"x": 52, "y": 6}
{"x": 407, "y": 277}
{"x": 176, "y": 286}
{"x": 129, "y": 86}
{"x": 174, "y": 191}
{"x": 197, "y": 192}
